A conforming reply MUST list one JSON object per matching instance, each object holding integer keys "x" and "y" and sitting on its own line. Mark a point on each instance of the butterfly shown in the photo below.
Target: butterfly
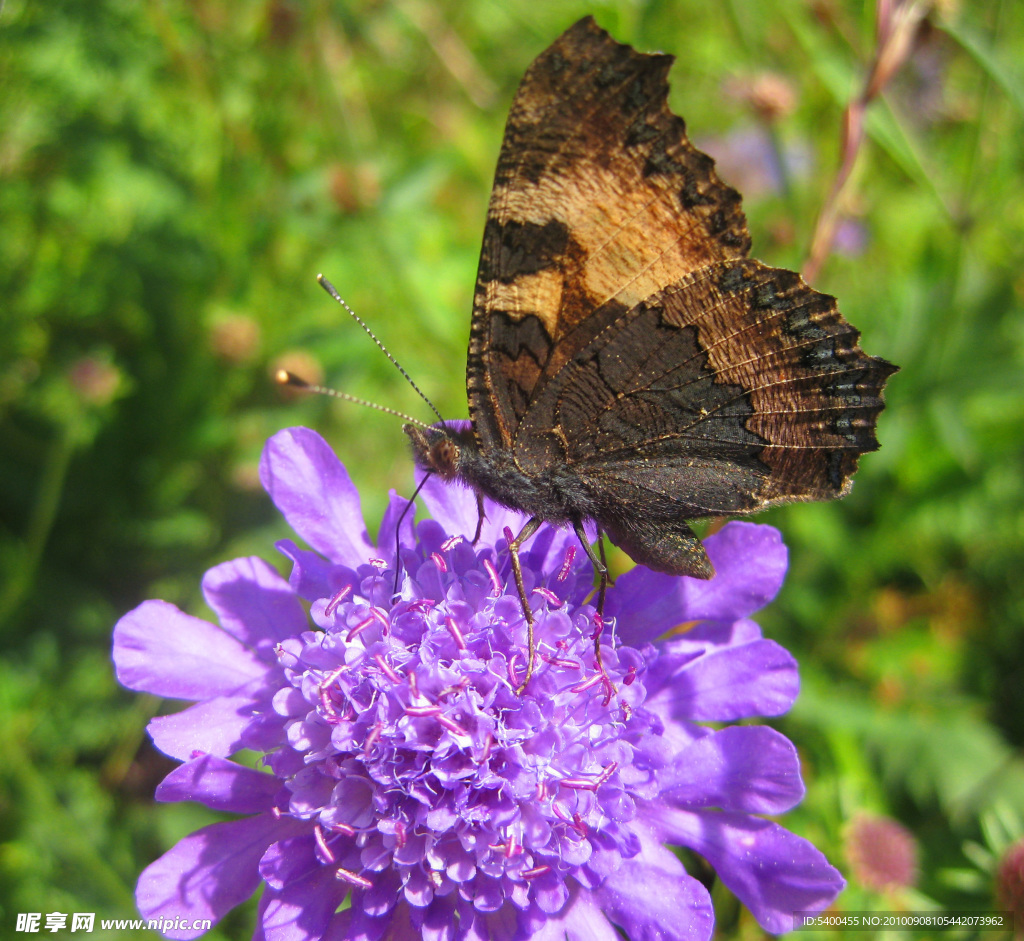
{"x": 628, "y": 363}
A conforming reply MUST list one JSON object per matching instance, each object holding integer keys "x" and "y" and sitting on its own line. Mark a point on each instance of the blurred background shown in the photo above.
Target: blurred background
{"x": 173, "y": 175}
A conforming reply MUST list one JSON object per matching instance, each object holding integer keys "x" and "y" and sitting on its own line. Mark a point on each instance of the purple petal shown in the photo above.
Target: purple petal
{"x": 302, "y": 909}
{"x": 161, "y": 650}
{"x": 220, "y": 785}
{"x": 314, "y": 493}
{"x": 354, "y": 924}
{"x": 645, "y": 605}
{"x": 217, "y": 727}
{"x": 350, "y": 926}
{"x": 286, "y": 861}
{"x": 253, "y": 603}
{"x": 652, "y": 898}
{"x": 772, "y": 871}
{"x": 584, "y": 921}
{"x": 750, "y": 562}
{"x": 311, "y": 572}
{"x": 209, "y": 872}
{"x": 720, "y": 634}
{"x": 755, "y": 679}
{"x": 398, "y": 509}
{"x": 749, "y": 768}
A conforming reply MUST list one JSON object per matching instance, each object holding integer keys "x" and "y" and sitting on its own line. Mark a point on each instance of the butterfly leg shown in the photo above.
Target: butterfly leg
{"x": 513, "y": 549}
{"x": 479, "y": 518}
{"x": 598, "y": 560}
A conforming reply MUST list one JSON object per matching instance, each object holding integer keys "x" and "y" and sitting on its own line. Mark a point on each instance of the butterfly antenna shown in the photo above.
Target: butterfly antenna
{"x": 285, "y": 378}
{"x": 329, "y": 288}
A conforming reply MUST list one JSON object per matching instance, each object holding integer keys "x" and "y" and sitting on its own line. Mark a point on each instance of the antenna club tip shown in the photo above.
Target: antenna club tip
{"x": 285, "y": 378}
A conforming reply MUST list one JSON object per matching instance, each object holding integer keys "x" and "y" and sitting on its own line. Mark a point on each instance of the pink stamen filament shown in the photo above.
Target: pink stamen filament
{"x": 536, "y": 871}
{"x": 359, "y": 628}
{"x": 454, "y": 688}
{"x": 561, "y": 662}
{"x": 550, "y": 595}
{"x": 387, "y": 669}
{"x": 439, "y": 561}
{"x": 582, "y": 784}
{"x": 451, "y": 542}
{"x": 595, "y": 680}
{"x": 325, "y": 850}
{"x": 452, "y": 726}
{"x": 607, "y": 773}
{"x": 513, "y": 666}
{"x": 338, "y": 598}
{"x": 371, "y": 739}
{"x": 508, "y": 535}
{"x": 496, "y": 585}
{"x": 570, "y": 554}
{"x": 422, "y": 711}
{"x": 453, "y": 629}
{"x": 327, "y": 703}
{"x": 354, "y": 878}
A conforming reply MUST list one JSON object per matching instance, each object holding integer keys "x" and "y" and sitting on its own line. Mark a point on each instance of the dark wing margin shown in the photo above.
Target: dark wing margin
{"x": 599, "y": 199}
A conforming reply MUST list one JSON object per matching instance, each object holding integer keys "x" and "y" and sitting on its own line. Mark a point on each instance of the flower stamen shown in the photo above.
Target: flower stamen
{"x": 496, "y": 586}
{"x": 338, "y": 597}
{"x": 453, "y": 629}
{"x": 594, "y": 680}
{"x": 570, "y": 554}
{"x": 359, "y": 628}
{"x": 346, "y": 875}
{"x": 535, "y": 872}
{"x": 325, "y": 851}
{"x": 387, "y": 669}
{"x": 550, "y": 595}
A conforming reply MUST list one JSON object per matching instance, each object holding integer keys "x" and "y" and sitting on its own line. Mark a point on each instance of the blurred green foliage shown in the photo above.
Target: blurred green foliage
{"x": 172, "y": 177}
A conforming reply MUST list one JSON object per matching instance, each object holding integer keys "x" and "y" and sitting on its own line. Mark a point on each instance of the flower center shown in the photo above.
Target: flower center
{"x": 419, "y": 759}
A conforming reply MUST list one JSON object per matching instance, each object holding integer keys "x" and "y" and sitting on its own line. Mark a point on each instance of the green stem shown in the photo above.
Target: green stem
{"x": 40, "y": 522}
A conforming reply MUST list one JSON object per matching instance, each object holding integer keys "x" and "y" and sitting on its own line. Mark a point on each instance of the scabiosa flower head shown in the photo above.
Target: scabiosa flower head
{"x": 882, "y": 853}
{"x": 1010, "y": 884}
{"x": 412, "y": 793}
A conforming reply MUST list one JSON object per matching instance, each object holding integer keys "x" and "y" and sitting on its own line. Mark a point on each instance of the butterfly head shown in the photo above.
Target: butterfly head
{"x": 439, "y": 450}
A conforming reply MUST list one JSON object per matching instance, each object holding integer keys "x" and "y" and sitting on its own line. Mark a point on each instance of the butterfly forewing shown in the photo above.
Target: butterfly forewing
{"x": 599, "y": 199}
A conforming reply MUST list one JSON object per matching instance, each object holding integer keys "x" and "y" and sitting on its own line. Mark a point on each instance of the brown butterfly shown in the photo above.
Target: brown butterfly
{"x": 628, "y": 363}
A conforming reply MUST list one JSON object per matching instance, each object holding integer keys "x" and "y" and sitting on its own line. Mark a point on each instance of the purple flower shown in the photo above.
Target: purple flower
{"x": 411, "y": 792}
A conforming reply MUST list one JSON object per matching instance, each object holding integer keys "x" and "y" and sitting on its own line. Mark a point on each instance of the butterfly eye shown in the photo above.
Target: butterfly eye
{"x": 444, "y": 457}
